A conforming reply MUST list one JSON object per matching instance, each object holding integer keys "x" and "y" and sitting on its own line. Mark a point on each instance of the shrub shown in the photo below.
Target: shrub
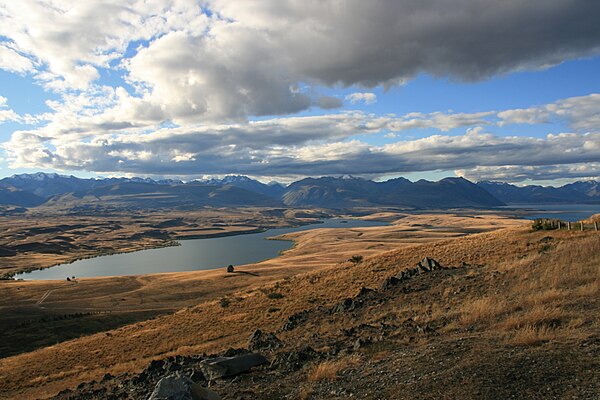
{"x": 275, "y": 295}
{"x": 224, "y": 302}
{"x": 355, "y": 259}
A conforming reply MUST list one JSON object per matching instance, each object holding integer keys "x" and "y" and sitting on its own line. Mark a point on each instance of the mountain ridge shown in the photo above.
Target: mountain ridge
{"x": 31, "y": 190}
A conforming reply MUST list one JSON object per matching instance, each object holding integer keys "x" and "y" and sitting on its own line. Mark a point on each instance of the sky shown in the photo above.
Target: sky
{"x": 283, "y": 89}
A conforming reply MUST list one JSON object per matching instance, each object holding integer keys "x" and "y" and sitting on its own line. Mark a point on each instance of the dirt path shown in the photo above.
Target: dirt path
{"x": 48, "y": 292}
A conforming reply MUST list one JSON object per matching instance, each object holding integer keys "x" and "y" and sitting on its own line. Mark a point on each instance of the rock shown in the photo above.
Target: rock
{"x": 363, "y": 292}
{"x": 263, "y": 341}
{"x": 429, "y": 264}
{"x": 294, "y": 320}
{"x": 180, "y": 387}
{"x": 346, "y": 305}
{"x": 295, "y": 360}
{"x": 389, "y": 282}
{"x": 222, "y": 367}
{"x": 359, "y": 343}
{"x": 202, "y": 393}
{"x": 230, "y": 268}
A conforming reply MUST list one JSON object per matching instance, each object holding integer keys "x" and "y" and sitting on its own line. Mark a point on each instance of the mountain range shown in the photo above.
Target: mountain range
{"x": 42, "y": 189}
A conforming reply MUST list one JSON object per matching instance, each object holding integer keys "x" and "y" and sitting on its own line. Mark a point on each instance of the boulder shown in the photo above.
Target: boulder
{"x": 263, "y": 341}
{"x": 222, "y": 367}
{"x": 429, "y": 264}
{"x": 180, "y": 387}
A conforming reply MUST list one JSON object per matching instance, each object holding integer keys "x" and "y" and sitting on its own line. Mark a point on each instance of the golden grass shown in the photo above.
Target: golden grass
{"x": 532, "y": 291}
{"x": 531, "y": 335}
{"x": 538, "y": 316}
{"x": 328, "y": 370}
{"x": 485, "y": 309}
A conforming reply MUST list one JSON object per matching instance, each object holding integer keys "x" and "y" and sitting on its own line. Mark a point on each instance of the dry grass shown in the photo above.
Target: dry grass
{"x": 530, "y": 291}
{"x": 328, "y": 370}
{"x": 538, "y": 316}
{"x": 485, "y": 309}
{"x": 531, "y": 335}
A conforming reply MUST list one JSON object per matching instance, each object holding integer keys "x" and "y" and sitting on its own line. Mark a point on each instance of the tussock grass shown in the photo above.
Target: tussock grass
{"x": 531, "y": 335}
{"x": 328, "y": 370}
{"x": 538, "y": 316}
{"x": 485, "y": 309}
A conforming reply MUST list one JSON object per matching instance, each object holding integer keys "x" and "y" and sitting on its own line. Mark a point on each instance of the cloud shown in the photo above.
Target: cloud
{"x": 581, "y": 113}
{"x": 12, "y": 61}
{"x": 520, "y": 173}
{"x": 7, "y": 114}
{"x": 70, "y": 40}
{"x": 328, "y": 102}
{"x": 364, "y": 97}
{"x": 243, "y": 59}
{"x": 319, "y": 145}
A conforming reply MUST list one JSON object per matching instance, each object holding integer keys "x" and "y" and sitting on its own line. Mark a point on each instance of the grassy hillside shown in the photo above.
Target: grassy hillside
{"x": 517, "y": 314}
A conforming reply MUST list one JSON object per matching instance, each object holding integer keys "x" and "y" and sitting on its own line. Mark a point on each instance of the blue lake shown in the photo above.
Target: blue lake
{"x": 565, "y": 212}
{"x": 192, "y": 255}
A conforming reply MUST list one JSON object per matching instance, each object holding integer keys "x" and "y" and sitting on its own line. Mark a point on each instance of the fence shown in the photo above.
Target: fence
{"x": 553, "y": 224}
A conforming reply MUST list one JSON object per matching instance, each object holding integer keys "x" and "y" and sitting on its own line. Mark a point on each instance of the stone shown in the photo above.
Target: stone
{"x": 180, "y": 387}
{"x": 389, "y": 282}
{"x": 223, "y": 367}
{"x": 263, "y": 341}
{"x": 429, "y": 264}
{"x": 346, "y": 305}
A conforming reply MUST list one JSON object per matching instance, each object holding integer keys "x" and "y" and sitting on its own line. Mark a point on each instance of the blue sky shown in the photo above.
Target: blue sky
{"x": 282, "y": 90}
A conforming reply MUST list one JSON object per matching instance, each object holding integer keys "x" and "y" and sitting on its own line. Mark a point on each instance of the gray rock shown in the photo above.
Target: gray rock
{"x": 389, "y": 282}
{"x": 429, "y": 264}
{"x": 263, "y": 341}
{"x": 222, "y": 367}
{"x": 180, "y": 387}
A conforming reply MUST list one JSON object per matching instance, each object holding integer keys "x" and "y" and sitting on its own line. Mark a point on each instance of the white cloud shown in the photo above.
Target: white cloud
{"x": 362, "y": 97}
{"x": 582, "y": 113}
{"x": 247, "y": 58}
{"x": 520, "y": 173}
{"x": 12, "y": 61}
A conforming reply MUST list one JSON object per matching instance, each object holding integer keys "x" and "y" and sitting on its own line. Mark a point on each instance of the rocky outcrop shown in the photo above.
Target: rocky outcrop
{"x": 263, "y": 341}
{"x": 425, "y": 265}
{"x": 222, "y": 367}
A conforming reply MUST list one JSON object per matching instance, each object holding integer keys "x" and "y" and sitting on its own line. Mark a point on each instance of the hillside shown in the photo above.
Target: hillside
{"x": 12, "y": 196}
{"x": 331, "y": 192}
{"x": 153, "y": 196}
{"x": 503, "y": 318}
{"x": 577, "y": 192}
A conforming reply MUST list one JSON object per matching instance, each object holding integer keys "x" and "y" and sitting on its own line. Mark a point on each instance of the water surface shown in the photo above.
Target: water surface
{"x": 192, "y": 255}
{"x": 565, "y": 212}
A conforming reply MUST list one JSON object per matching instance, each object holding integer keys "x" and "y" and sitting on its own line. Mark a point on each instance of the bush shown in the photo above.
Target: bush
{"x": 546, "y": 224}
{"x": 224, "y": 302}
{"x": 355, "y": 259}
{"x": 275, "y": 295}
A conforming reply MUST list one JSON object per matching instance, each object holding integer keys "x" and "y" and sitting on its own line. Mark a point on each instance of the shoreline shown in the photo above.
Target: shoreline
{"x": 10, "y": 276}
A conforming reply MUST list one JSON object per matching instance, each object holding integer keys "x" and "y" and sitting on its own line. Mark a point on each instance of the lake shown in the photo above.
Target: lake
{"x": 192, "y": 255}
{"x": 565, "y": 212}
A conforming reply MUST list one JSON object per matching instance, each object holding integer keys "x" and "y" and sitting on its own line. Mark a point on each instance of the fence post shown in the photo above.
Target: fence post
{"x": 595, "y": 225}
{"x": 581, "y": 225}
{"x": 568, "y": 225}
